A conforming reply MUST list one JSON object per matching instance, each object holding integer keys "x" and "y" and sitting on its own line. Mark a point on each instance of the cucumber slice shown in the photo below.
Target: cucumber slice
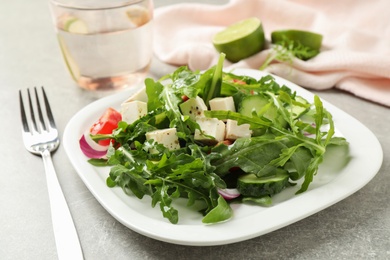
{"x": 262, "y": 107}
{"x": 69, "y": 61}
{"x": 252, "y": 104}
{"x": 249, "y": 185}
{"x": 298, "y": 110}
{"x": 75, "y": 25}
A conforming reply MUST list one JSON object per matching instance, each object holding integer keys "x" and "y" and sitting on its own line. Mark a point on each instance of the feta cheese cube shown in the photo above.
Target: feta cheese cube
{"x": 234, "y": 131}
{"x": 167, "y": 137}
{"x": 139, "y": 95}
{"x": 213, "y": 130}
{"x": 133, "y": 110}
{"x": 193, "y": 107}
{"x": 222, "y": 103}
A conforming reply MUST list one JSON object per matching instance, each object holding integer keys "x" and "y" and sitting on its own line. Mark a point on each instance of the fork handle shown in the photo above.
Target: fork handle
{"x": 65, "y": 234}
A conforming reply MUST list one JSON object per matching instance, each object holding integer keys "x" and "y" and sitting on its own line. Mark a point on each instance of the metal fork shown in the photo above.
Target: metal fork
{"x": 40, "y": 137}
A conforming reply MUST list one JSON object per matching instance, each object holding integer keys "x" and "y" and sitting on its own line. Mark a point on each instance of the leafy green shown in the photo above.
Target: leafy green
{"x": 244, "y": 153}
{"x": 287, "y": 50}
{"x": 220, "y": 213}
{"x": 293, "y": 140}
{"x": 280, "y": 145}
{"x": 214, "y": 89}
{"x": 168, "y": 178}
{"x": 265, "y": 201}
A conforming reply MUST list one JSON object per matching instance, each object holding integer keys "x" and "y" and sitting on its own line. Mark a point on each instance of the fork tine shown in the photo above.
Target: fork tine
{"x": 43, "y": 125}
{"x": 26, "y": 128}
{"x": 48, "y": 110}
{"x": 32, "y": 113}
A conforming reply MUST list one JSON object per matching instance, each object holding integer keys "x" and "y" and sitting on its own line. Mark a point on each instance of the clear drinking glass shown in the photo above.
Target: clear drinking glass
{"x": 106, "y": 44}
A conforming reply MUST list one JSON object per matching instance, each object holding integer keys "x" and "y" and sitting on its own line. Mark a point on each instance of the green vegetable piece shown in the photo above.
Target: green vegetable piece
{"x": 264, "y": 201}
{"x": 252, "y": 104}
{"x": 214, "y": 89}
{"x": 98, "y": 162}
{"x": 252, "y": 186}
{"x": 300, "y": 107}
{"x": 299, "y": 37}
{"x": 153, "y": 90}
{"x": 162, "y": 197}
{"x": 261, "y": 106}
{"x": 110, "y": 182}
{"x": 222, "y": 212}
{"x": 288, "y": 44}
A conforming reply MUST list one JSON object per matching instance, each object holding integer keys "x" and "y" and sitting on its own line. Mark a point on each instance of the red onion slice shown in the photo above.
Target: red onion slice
{"x": 89, "y": 151}
{"x": 94, "y": 145}
{"x": 229, "y": 194}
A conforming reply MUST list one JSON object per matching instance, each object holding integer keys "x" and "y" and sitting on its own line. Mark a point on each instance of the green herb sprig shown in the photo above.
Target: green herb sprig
{"x": 286, "y": 50}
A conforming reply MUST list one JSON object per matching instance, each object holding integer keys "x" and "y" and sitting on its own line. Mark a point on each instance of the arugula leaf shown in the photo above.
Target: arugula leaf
{"x": 188, "y": 83}
{"x": 264, "y": 201}
{"x": 214, "y": 89}
{"x": 162, "y": 196}
{"x": 298, "y": 162}
{"x": 98, "y": 162}
{"x": 252, "y": 155}
{"x": 287, "y": 50}
{"x": 220, "y": 213}
{"x": 153, "y": 90}
{"x": 254, "y": 122}
{"x": 129, "y": 181}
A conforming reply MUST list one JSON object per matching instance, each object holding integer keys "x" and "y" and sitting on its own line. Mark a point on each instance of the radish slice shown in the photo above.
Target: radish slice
{"x": 89, "y": 151}
{"x": 229, "y": 194}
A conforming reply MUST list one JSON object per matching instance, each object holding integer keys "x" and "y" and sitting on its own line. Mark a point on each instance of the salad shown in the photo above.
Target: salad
{"x": 213, "y": 138}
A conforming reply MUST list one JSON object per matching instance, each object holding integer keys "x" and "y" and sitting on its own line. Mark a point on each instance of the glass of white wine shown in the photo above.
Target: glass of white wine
{"x": 106, "y": 44}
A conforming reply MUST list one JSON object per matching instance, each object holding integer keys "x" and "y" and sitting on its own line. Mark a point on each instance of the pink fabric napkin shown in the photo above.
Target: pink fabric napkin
{"x": 355, "y": 55}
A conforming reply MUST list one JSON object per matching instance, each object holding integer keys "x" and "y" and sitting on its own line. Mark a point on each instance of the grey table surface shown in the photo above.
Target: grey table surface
{"x": 356, "y": 228}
